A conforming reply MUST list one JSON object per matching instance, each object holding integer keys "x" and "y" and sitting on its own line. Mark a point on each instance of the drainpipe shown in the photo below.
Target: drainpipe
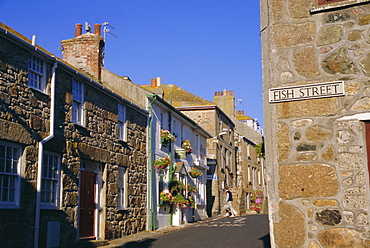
{"x": 171, "y": 163}
{"x": 151, "y": 211}
{"x": 40, "y": 156}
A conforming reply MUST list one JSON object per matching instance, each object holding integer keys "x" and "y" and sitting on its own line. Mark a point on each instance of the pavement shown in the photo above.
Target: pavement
{"x": 142, "y": 236}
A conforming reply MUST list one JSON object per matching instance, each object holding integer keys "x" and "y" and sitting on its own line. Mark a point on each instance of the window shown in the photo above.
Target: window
{"x": 77, "y": 105}
{"x": 122, "y": 201}
{"x": 9, "y": 175}
{"x": 36, "y": 73}
{"x": 50, "y": 184}
{"x": 122, "y": 134}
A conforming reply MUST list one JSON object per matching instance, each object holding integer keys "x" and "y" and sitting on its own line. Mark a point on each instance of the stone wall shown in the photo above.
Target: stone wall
{"x": 25, "y": 120}
{"x": 316, "y": 149}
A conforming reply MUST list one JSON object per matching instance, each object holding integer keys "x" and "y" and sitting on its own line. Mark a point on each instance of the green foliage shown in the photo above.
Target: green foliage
{"x": 260, "y": 150}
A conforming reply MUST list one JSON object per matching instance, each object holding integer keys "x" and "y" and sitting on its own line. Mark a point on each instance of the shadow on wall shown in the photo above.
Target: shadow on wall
{"x": 17, "y": 225}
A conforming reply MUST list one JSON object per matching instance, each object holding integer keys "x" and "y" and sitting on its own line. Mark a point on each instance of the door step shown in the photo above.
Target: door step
{"x": 91, "y": 243}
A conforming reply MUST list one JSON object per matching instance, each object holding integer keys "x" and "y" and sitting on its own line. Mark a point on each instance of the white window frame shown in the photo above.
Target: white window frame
{"x": 77, "y": 102}
{"x": 15, "y": 160}
{"x": 36, "y": 73}
{"x": 122, "y": 188}
{"x": 122, "y": 125}
{"x": 55, "y": 179}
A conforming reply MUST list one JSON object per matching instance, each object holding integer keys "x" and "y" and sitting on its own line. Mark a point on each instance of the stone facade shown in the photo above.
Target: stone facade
{"x": 91, "y": 147}
{"x": 316, "y": 148}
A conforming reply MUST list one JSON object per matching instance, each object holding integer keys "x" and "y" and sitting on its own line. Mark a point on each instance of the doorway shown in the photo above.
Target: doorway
{"x": 87, "y": 205}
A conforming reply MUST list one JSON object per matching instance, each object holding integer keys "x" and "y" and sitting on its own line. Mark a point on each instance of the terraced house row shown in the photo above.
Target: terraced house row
{"x": 86, "y": 154}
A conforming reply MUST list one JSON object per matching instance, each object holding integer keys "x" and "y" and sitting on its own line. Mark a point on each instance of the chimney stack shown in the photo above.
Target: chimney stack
{"x": 97, "y": 29}
{"x": 78, "y": 29}
{"x": 85, "y": 51}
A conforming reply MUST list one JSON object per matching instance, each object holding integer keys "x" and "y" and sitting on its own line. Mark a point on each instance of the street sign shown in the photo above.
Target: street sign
{"x": 310, "y": 91}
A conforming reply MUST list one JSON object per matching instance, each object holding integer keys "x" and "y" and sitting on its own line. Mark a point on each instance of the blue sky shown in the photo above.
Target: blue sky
{"x": 203, "y": 46}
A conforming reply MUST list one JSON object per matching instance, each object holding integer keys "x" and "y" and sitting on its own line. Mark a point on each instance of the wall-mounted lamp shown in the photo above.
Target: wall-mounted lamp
{"x": 75, "y": 144}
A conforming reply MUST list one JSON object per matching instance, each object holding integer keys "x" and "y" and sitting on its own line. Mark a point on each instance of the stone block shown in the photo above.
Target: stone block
{"x": 305, "y": 61}
{"x": 328, "y": 154}
{"x": 336, "y": 17}
{"x": 284, "y": 141}
{"x": 355, "y": 35}
{"x": 329, "y": 35}
{"x": 328, "y": 217}
{"x": 277, "y": 7}
{"x": 307, "y": 156}
{"x": 341, "y": 237}
{"x": 308, "y": 108}
{"x": 305, "y": 147}
{"x": 288, "y": 35}
{"x": 363, "y": 104}
{"x": 318, "y": 133}
{"x": 360, "y": 178}
{"x": 290, "y": 231}
{"x": 301, "y": 123}
{"x": 362, "y": 219}
{"x": 299, "y": 9}
{"x": 302, "y": 180}
{"x": 354, "y": 201}
{"x": 339, "y": 62}
{"x": 325, "y": 203}
{"x": 350, "y": 161}
{"x": 364, "y": 20}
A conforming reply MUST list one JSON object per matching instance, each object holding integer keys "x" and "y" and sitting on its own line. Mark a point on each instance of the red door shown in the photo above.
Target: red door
{"x": 87, "y": 205}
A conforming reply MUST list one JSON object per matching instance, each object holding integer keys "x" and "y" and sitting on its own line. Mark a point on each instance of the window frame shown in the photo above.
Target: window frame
{"x": 15, "y": 204}
{"x": 122, "y": 188}
{"x": 77, "y": 102}
{"x": 36, "y": 73}
{"x": 122, "y": 122}
{"x": 56, "y": 202}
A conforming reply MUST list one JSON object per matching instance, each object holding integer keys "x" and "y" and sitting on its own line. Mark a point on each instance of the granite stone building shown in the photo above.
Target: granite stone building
{"x": 317, "y": 112}
{"x": 73, "y": 153}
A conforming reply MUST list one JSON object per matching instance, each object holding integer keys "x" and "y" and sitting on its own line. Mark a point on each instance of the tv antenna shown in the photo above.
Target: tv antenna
{"x": 107, "y": 30}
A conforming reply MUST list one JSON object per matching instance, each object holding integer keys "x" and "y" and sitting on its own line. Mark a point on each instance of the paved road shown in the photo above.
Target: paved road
{"x": 250, "y": 231}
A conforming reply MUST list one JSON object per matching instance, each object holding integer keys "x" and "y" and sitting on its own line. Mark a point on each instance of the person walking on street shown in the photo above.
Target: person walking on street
{"x": 228, "y": 201}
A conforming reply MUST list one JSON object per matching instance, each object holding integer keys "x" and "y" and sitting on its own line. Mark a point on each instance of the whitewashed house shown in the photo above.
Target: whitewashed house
{"x": 176, "y": 196}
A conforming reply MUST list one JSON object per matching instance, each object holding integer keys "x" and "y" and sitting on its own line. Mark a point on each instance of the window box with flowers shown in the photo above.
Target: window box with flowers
{"x": 162, "y": 163}
{"x": 187, "y": 146}
{"x": 166, "y": 137}
{"x": 194, "y": 173}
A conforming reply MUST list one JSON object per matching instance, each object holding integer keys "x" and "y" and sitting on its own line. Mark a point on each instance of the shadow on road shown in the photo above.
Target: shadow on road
{"x": 266, "y": 241}
{"x": 138, "y": 244}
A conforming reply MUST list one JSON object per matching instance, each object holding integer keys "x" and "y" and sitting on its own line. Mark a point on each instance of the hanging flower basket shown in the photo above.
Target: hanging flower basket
{"x": 195, "y": 173}
{"x": 167, "y": 137}
{"x": 187, "y": 146}
{"x": 191, "y": 189}
{"x": 165, "y": 198}
{"x": 162, "y": 163}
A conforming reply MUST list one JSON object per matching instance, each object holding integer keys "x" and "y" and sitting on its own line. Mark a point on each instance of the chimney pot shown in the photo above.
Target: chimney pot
{"x": 78, "y": 29}
{"x": 153, "y": 83}
{"x": 159, "y": 81}
{"x": 97, "y": 29}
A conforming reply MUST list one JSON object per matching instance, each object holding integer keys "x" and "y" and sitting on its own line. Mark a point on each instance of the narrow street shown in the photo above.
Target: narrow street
{"x": 250, "y": 231}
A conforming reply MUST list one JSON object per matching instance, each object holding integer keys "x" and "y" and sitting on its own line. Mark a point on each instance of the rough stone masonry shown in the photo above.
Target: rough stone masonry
{"x": 316, "y": 148}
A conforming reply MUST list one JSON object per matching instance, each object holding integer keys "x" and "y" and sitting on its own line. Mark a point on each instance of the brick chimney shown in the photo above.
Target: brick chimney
{"x": 85, "y": 51}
